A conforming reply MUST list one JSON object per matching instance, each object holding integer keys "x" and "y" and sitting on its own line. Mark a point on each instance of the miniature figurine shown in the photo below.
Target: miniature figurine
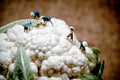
{"x": 35, "y": 14}
{"x": 26, "y": 26}
{"x": 70, "y": 36}
{"x": 46, "y": 19}
{"x": 83, "y": 45}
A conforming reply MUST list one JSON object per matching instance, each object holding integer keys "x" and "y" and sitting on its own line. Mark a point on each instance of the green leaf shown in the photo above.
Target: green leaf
{"x": 96, "y": 51}
{"x": 22, "y": 69}
{"x": 100, "y": 72}
{"x": 89, "y": 77}
{"x": 38, "y": 23}
{"x": 91, "y": 58}
{"x": 12, "y": 24}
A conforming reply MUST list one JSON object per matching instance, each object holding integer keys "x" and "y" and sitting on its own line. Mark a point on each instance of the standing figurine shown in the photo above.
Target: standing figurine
{"x": 46, "y": 19}
{"x": 35, "y": 14}
{"x": 70, "y": 36}
{"x": 26, "y": 26}
{"x": 83, "y": 45}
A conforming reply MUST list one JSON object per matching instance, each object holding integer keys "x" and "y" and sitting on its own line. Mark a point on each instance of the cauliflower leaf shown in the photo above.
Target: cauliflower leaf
{"x": 22, "y": 69}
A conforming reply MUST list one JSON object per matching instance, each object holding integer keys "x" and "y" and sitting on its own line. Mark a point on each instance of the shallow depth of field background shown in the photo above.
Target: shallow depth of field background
{"x": 95, "y": 21}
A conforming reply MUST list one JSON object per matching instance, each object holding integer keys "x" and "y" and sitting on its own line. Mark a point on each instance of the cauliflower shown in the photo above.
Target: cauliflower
{"x": 52, "y": 56}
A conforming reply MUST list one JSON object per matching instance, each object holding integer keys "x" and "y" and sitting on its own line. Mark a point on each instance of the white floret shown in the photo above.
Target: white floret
{"x": 64, "y": 77}
{"x": 30, "y": 53}
{"x": 11, "y": 35}
{"x": 76, "y": 69}
{"x": 88, "y": 50}
{"x": 5, "y": 45}
{"x": 67, "y": 70}
{"x": 54, "y": 78}
{"x": 17, "y": 29}
{"x": 23, "y": 38}
{"x": 48, "y": 54}
{"x": 11, "y": 68}
{"x": 41, "y": 56}
{"x": 37, "y": 62}
{"x": 3, "y": 36}
{"x": 62, "y": 47}
{"x": 5, "y": 58}
{"x": 34, "y": 68}
{"x": 43, "y": 78}
{"x": 65, "y": 63}
{"x": 2, "y": 77}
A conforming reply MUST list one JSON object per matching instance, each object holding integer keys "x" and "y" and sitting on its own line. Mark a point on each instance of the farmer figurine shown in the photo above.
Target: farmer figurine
{"x": 83, "y": 45}
{"x": 70, "y": 36}
{"x": 26, "y": 26}
{"x": 35, "y": 14}
{"x": 46, "y": 19}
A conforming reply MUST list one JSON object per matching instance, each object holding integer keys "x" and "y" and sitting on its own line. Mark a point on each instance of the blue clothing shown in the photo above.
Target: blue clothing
{"x": 46, "y": 18}
{"x": 26, "y": 25}
{"x": 36, "y": 13}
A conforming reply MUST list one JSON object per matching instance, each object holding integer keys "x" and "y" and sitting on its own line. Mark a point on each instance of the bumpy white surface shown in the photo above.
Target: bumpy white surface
{"x": 2, "y": 77}
{"x": 47, "y": 48}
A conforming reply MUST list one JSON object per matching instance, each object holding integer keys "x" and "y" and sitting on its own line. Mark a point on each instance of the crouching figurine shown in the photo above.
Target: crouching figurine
{"x": 46, "y": 19}
{"x": 35, "y": 14}
{"x": 27, "y": 26}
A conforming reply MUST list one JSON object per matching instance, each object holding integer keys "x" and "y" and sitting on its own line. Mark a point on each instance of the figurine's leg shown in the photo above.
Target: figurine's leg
{"x": 51, "y": 23}
{"x": 30, "y": 27}
{"x": 69, "y": 39}
{"x": 25, "y": 29}
{"x": 45, "y": 22}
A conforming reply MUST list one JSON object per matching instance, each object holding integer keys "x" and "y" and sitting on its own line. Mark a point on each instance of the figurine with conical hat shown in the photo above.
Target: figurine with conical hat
{"x": 70, "y": 35}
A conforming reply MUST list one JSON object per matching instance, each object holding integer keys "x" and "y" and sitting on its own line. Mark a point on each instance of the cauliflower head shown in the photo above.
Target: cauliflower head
{"x": 52, "y": 56}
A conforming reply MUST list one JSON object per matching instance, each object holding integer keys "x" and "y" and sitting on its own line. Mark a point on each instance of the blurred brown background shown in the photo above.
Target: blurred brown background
{"x": 95, "y": 21}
